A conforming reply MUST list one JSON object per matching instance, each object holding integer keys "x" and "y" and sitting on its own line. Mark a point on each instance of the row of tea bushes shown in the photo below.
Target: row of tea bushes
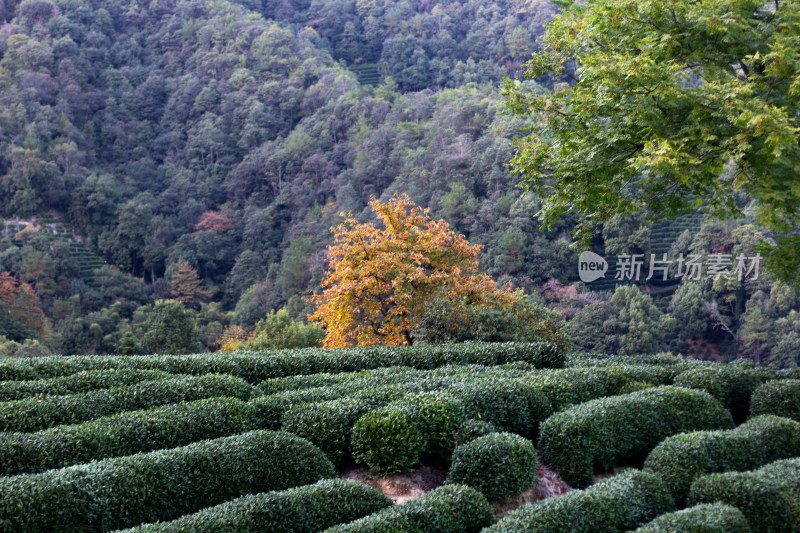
{"x": 780, "y": 398}
{"x": 680, "y": 459}
{"x": 328, "y": 424}
{"x": 124, "y": 434}
{"x": 85, "y": 381}
{"x": 161, "y": 485}
{"x": 498, "y": 465}
{"x": 619, "y": 504}
{"x": 594, "y": 436}
{"x": 562, "y": 388}
{"x": 386, "y": 376}
{"x": 517, "y": 402}
{"x": 768, "y": 497}
{"x": 448, "y": 509}
{"x": 306, "y": 509}
{"x": 255, "y": 367}
{"x": 704, "y": 518}
{"x": 584, "y": 359}
{"x": 33, "y": 414}
{"x": 732, "y": 385}
{"x": 423, "y": 426}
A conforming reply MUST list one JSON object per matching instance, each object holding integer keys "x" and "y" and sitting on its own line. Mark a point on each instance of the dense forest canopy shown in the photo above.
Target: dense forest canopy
{"x": 201, "y": 152}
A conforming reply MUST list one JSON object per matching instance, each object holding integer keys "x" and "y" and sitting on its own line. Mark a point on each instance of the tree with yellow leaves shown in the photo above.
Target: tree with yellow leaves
{"x": 382, "y": 281}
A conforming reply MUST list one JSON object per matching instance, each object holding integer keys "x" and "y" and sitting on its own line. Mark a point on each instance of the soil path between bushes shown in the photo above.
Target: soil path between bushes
{"x": 407, "y": 486}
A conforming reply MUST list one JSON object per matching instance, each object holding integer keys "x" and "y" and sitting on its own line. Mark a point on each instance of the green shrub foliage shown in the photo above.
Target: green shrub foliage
{"x": 388, "y": 439}
{"x": 160, "y": 485}
{"x": 420, "y": 426}
{"x": 271, "y": 408}
{"x": 780, "y": 398}
{"x": 731, "y": 385}
{"x": 576, "y": 385}
{"x": 634, "y": 386}
{"x": 502, "y": 402}
{"x": 768, "y": 497}
{"x": 680, "y": 459}
{"x": 438, "y": 416}
{"x": 621, "y": 503}
{"x": 706, "y": 518}
{"x": 448, "y": 509}
{"x": 76, "y": 383}
{"x": 594, "y": 436}
{"x": 329, "y": 424}
{"x": 498, "y": 464}
{"x": 306, "y": 509}
{"x": 124, "y": 434}
{"x": 258, "y": 366}
{"x": 472, "y": 429}
{"x": 32, "y": 414}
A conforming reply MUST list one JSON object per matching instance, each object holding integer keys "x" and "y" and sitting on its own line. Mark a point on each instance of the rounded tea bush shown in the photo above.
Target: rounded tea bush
{"x": 780, "y": 398}
{"x": 768, "y": 497}
{"x": 327, "y": 424}
{"x": 388, "y": 439}
{"x": 304, "y": 509}
{"x": 706, "y": 518}
{"x": 731, "y": 385}
{"x": 618, "y": 504}
{"x": 498, "y": 464}
{"x": 448, "y": 509}
{"x": 682, "y": 458}
{"x": 438, "y": 416}
{"x": 597, "y": 435}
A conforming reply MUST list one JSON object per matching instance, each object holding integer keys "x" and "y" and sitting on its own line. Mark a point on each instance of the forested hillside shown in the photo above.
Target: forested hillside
{"x": 203, "y": 150}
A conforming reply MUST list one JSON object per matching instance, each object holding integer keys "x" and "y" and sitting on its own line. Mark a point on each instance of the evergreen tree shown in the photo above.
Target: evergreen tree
{"x": 170, "y": 329}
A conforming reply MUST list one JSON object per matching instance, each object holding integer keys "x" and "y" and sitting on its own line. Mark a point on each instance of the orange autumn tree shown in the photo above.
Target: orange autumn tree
{"x": 381, "y": 280}
{"x": 21, "y": 302}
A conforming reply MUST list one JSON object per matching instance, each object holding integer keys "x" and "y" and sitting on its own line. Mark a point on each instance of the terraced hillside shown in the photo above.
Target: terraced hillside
{"x": 262, "y": 441}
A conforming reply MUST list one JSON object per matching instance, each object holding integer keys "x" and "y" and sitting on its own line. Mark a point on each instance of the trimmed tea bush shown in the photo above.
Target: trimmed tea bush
{"x": 572, "y": 386}
{"x": 81, "y": 382}
{"x": 634, "y": 386}
{"x": 306, "y": 509}
{"x": 124, "y": 434}
{"x": 32, "y": 414}
{"x": 788, "y": 373}
{"x": 329, "y": 424}
{"x": 502, "y": 402}
{"x": 707, "y": 518}
{"x": 594, "y": 436}
{"x": 438, "y": 416}
{"x": 448, "y": 509}
{"x": 271, "y": 408}
{"x": 472, "y": 429}
{"x": 387, "y": 439}
{"x": 395, "y": 374}
{"x": 582, "y": 359}
{"x": 395, "y": 437}
{"x": 731, "y": 385}
{"x": 160, "y": 485}
{"x": 780, "y": 398}
{"x": 680, "y": 459}
{"x": 621, "y": 503}
{"x": 768, "y": 496}
{"x": 383, "y": 395}
{"x": 499, "y": 465}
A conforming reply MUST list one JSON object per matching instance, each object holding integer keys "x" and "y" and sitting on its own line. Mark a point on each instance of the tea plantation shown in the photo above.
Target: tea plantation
{"x": 257, "y": 441}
